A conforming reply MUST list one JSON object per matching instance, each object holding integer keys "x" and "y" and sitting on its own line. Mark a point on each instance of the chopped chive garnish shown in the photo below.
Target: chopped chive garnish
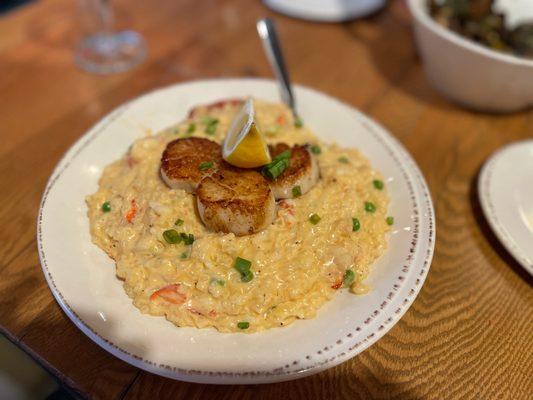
{"x": 210, "y": 124}
{"x": 315, "y": 149}
{"x": 296, "y": 191}
{"x": 390, "y": 220}
{"x": 188, "y": 239}
{"x": 179, "y": 222}
{"x": 243, "y": 266}
{"x": 243, "y": 325}
{"x": 205, "y": 165}
{"x": 298, "y": 122}
{"x": 314, "y": 219}
{"x": 209, "y": 120}
{"x": 106, "y": 207}
{"x": 378, "y": 184}
{"x": 191, "y": 128}
{"x": 349, "y": 277}
{"x": 247, "y": 276}
{"x": 211, "y": 129}
{"x": 272, "y": 130}
{"x": 370, "y": 207}
{"x": 356, "y": 225}
{"x": 284, "y": 155}
{"x": 279, "y": 164}
{"x": 344, "y": 160}
{"x": 183, "y": 256}
{"x": 171, "y": 236}
{"x": 216, "y": 281}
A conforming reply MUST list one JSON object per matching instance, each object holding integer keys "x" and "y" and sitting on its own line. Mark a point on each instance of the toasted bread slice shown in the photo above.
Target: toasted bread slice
{"x": 236, "y": 200}
{"x": 182, "y": 159}
{"x": 303, "y": 171}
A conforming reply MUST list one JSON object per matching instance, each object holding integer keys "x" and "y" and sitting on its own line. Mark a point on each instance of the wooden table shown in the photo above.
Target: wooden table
{"x": 469, "y": 334}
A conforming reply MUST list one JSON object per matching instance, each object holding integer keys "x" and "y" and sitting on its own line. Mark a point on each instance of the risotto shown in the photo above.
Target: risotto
{"x": 321, "y": 242}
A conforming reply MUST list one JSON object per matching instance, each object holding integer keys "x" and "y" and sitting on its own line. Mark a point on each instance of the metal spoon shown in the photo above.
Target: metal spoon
{"x": 269, "y": 38}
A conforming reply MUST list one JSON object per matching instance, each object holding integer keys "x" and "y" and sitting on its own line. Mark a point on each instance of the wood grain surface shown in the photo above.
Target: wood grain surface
{"x": 468, "y": 335}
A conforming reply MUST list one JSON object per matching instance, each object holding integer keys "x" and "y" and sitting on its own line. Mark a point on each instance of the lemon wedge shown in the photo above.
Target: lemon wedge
{"x": 244, "y": 145}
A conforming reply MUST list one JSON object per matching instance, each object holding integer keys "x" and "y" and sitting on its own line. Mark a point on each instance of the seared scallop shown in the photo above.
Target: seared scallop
{"x": 235, "y": 200}
{"x": 301, "y": 175}
{"x": 186, "y": 161}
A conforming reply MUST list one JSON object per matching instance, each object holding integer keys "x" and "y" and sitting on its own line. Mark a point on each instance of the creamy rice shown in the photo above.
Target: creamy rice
{"x": 297, "y": 266}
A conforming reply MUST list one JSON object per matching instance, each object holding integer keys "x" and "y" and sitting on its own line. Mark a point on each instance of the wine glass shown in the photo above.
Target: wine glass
{"x": 102, "y": 50}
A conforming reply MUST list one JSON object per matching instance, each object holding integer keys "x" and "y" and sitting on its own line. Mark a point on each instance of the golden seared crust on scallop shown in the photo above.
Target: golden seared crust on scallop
{"x": 180, "y": 162}
{"x": 235, "y": 200}
{"x": 303, "y": 171}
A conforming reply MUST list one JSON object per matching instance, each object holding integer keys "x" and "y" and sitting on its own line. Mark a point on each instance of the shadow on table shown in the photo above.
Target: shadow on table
{"x": 81, "y": 365}
{"x": 489, "y": 235}
{"x": 390, "y": 43}
{"x": 332, "y": 385}
{"x": 392, "y": 48}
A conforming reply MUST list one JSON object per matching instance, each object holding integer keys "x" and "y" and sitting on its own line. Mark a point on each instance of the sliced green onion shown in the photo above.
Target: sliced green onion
{"x": 171, "y": 236}
{"x": 247, "y": 276}
{"x": 390, "y": 220}
{"x": 298, "y": 122}
{"x": 370, "y": 207}
{"x": 379, "y": 185}
{"x": 242, "y": 265}
{"x": 191, "y": 128}
{"x": 243, "y": 325}
{"x": 344, "y": 160}
{"x": 314, "y": 219}
{"x": 205, "y": 165}
{"x": 283, "y": 155}
{"x": 315, "y": 149}
{"x": 210, "y": 124}
{"x": 188, "y": 239}
{"x": 279, "y": 164}
{"x": 179, "y": 222}
{"x": 106, "y": 207}
{"x": 184, "y": 256}
{"x": 216, "y": 281}
{"x": 349, "y": 277}
{"x": 211, "y": 129}
{"x": 356, "y": 225}
{"x": 296, "y": 191}
{"x": 206, "y": 119}
{"x": 272, "y": 130}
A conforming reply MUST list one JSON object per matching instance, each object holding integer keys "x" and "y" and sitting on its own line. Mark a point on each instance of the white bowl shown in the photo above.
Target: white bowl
{"x": 469, "y": 73}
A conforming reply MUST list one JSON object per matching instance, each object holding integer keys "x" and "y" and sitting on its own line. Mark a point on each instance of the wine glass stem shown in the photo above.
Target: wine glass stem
{"x": 106, "y": 16}
{"x": 96, "y": 16}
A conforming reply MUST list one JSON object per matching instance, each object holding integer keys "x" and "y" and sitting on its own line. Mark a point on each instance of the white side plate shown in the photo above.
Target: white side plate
{"x": 506, "y": 195}
{"x": 82, "y": 278}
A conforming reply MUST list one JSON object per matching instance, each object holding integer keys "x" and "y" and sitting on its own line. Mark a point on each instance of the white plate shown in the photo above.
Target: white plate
{"x": 325, "y": 10}
{"x": 506, "y": 196}
{"x": 82, "y": 278}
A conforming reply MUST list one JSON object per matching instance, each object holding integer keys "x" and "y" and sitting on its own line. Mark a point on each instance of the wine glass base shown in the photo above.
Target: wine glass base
{"x": 110, "y": 53}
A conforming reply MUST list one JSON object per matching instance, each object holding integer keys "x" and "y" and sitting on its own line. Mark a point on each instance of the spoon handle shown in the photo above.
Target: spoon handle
{"x": 269, "y": 38}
